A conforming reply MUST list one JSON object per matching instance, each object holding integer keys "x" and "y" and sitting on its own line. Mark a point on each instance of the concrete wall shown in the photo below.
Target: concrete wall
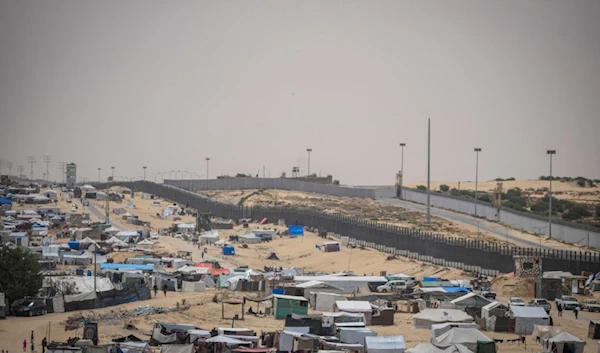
{"x": 562, "y": 230}
{"x": 281, "y": 184}
{"x": 568, "y": 232}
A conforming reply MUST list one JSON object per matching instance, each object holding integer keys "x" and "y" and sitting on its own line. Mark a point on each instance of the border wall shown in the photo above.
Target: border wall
{"x": 562, "y": 230}
{"x": 379, "y": 235}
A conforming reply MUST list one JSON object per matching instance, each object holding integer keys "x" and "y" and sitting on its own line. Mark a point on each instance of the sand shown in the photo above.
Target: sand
{"x": 292, "y": 252}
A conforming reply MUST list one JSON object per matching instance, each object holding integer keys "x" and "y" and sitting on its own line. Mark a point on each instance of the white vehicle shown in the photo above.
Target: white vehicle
{"x": 516, "y": 301}
{"x": 154, "y": 236}
{"x": 392, "y": 286}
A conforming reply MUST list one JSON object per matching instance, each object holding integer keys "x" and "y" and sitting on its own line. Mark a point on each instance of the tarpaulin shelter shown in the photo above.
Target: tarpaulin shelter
{"x": 355, "y": 334}
{"x": 544, "y": 332}
{"x": 228, "y": 250}
{"x": 389, "y": 344}
{"x": 284, "y": 305}
{"x": 177, "y": 348}
{"x": 296, "y": 231}
{"x": 355, "y": 306}
{"x": 430, "y": 348}
{"x": 428, "y": 317}
{"x": 528, "y": 316}
{"x": 565, "y": 342}
{"x": 439, "y": 329}
{"x": 472, "y": 338}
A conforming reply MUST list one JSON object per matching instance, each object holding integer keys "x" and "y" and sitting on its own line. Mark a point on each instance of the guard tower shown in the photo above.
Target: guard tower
{"x": 295, "y": 172}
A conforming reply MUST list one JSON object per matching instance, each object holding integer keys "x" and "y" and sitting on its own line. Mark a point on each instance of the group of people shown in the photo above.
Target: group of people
{"x": 32, "y": 345}
{"x": 156, "y": 290}
{"x": 559, "y": 308}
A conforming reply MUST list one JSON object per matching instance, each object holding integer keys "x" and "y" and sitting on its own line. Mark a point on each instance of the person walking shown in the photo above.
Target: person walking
{"x": 44, "y": 345}
{"x": 155, "y": 290}
{"x": 576, "y": 311}
{"x": 559, "y": 307}
{"x": 32, "y": 347}
{"x": 24, "y": 345}
{"x": 165, "y": 289}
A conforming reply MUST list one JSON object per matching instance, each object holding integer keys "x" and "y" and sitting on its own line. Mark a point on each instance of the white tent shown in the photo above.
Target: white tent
{"x": 209, "y": 237}
{"x": 389, "y": 344}
{"x": 193, "y": 286}
{"x": 564, "y": 338}
{"x": 486, "y": 311}
{"x": 542, "y": 332}
{"x": 145, "y": 244}
{"x": 428, "y": 317}
{"x": 51, "y": 194}
{"x": 471, "y": 300}
{"x": 466, "y": 336}
{"x": 439, "y": 329}
{"x": 527, "y": 316}
{"x": 430, "y": 348}
{"x": 116, "y": 241}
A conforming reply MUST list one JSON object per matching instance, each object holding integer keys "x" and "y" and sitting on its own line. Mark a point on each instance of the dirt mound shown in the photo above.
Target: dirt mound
{"x": 514, "y": 287}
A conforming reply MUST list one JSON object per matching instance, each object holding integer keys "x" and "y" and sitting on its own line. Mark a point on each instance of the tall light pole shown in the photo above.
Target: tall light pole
{"x": 207, "y": 161}
{"x": 428, "y": 171}
{"x": 21, "y": 169}
{"x": 477, "y": 150}
{"x": 31, "y": 160}
{"x": 113, "y": 172}
{"x": 402, "y": 144}
{"x": 99, "y": 169}
{"x": 9, "y": 166}
{"x": 309, "y": 150}
{"x": 551, "y": 153}
{"x": 47, "y": 160}
{"x": 62, "y": 166}
{"x": 144, "y": 172}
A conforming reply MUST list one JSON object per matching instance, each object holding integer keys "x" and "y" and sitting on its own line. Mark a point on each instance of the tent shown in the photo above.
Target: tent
{"x": 51, "y": 194}
{"x": 231, "y": 342}
{"x": 564, "y": 340}
{"x": 355, "y": 306}
{"x": 494, "y": 309}
{"x": 88, "y": 188}
{"x": 176, "y": 348}
{"x": 472, "y": 338}
{"x": 541, "y": 332}
{"x": 272, "y": 256}
{"x": 428, "y": 317}
{"x": 5, "y": 201}
{"x": 430, "y": 348}
{"x": 527, "y": 316}
{"x": 471, "y": 300}
{"x": 389, "y": 344}
{"x": 145, "y": 244}
{"x": 439, "y": 329}
{"x": 228, "y": 250}
{"x": 296, "y": 230}
{"x": 193, "y": 286}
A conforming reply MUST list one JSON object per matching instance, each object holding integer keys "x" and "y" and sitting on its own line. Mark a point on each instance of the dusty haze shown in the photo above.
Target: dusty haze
{"x": 166, "y": 84}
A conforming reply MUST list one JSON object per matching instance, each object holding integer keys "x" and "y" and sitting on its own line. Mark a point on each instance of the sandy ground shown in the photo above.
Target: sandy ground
{"x": 292, "y": 252}
{"x": 373, "y": 210}
{"x": 560, "y": 189}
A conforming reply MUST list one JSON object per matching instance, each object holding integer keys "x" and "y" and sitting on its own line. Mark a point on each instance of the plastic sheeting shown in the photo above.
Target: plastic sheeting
{"x": 177, "y": 348}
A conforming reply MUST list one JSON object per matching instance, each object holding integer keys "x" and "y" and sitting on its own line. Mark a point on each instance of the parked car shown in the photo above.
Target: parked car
{"x": 568, "y": 302}
{"x": 486, "y": 292}
{"x": 392, "y": 286}
{"x": 590, "y": 305}
{"x": 541, "y": 302}
{"x": 29, "y": 307}
{"x": 516, "y": 301}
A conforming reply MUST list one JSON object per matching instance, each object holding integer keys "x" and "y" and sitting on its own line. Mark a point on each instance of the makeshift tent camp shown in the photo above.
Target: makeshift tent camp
{"x": 565, "y": 342}
{"x": 389, "y": 344}
{"x": 439, "y": 329}
{"x": 428, "y": 317}
{"x": 430, "y": 348}
{"x": 527, "y": 316}
{"x": 472, "y": 338}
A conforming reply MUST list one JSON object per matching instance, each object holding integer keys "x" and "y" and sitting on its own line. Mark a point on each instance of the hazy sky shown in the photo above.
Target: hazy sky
{"x": 252, "y": 83}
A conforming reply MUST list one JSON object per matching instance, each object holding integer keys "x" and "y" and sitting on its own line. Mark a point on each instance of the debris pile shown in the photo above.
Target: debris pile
{"x": 113, "y": 316}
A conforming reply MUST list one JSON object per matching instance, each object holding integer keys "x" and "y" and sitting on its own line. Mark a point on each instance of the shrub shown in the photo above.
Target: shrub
{"x": 454, "y": 192}
{"x": 576, "y": 212}
{"x": 485, "y": 198}
{"x": 421, "y": 187}
{"x": 510, "y": 179}
{"x": 514, "y": 206}
{"x": 336, "y": 182}
{"x": 591, "y": 183}
{"x": 581, "y": 182}
{"x": 540, "y": 206}
{"x": 444, "y": 188}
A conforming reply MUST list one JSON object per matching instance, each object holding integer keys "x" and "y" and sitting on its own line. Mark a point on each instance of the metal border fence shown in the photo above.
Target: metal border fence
{"x": 451, "y": 249}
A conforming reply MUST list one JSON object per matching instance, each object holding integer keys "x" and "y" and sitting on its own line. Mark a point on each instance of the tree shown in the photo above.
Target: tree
{"x": 421, "y": 187}
{"x": 576, "y": 212}
{"x": 20, "y": 273}
{"x": 444, "y": 188}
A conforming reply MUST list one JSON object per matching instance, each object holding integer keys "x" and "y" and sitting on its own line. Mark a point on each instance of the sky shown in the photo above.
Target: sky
{"x": 253, "y": 84}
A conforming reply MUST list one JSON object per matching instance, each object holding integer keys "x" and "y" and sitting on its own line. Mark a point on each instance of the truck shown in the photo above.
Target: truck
{"x": 568, "y": 302}
{"x": 590, "y": 305}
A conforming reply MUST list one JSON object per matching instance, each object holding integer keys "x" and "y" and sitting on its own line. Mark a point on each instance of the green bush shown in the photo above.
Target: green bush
{"x": 514, "y": 206}
{"x": 444, "y": 188}
{"x": 576, "y": 212}
{"x": 581, "y": 182}
{"x": 540, "y": 206}
{"x": 454, "y": 192}
{"x": 485, "y": 198}
{"x": 421, "y": 187}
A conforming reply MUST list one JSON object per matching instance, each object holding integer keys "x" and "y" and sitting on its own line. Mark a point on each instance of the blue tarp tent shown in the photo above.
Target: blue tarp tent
{"x": 228, "y": 250}
{"x": 107, "y": 266}
{"x": 5, "y": 201}
{"x": 455, "y": 289}
{"x": 296, "y": 230}
{"x": 74, "y": 245}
